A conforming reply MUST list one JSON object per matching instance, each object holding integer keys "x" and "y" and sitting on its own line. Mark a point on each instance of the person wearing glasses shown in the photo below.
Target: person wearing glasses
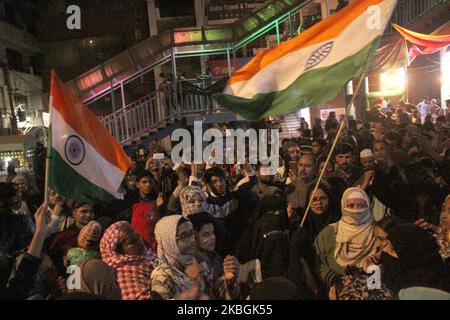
{"x": 177, "y": 270}
{"x": 301, "y": 252}
{"x": 176, "y": 248}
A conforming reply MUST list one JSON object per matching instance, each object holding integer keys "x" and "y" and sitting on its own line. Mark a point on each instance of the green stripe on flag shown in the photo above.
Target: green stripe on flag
{"x": 68, "y": 182}
{"x": 311, "y": 88}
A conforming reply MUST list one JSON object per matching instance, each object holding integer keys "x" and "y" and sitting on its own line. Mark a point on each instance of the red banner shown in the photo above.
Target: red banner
{"x": 422, "y": 43}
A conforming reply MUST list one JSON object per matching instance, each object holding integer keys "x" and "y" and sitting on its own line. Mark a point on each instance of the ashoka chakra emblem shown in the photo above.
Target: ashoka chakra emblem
{"x": 74, "y": 150}
{"x": 319, "y": 55}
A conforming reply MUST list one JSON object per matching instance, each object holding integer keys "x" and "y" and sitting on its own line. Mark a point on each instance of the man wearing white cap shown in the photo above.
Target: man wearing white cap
{"x": 367, "y": 159}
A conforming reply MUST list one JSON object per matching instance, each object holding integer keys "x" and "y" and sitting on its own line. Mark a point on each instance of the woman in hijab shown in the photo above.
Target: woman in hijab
{"x": 270, "y": 235}
{"x": 123, "y": 249}
{"x": 442, "y": 235}
{"x": 176, "y": 249}
{"x": 301, "y": 250}
{"x": 410, "y": 258}
{"x": 193, "y": 200}
{"x": 345, "y": 244}
{"x": 442, "y": 232}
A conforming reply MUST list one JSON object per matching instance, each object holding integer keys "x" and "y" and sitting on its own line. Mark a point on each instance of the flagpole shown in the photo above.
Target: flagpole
{"x": 49, "y": 144}
{"x": 341, "y": 126}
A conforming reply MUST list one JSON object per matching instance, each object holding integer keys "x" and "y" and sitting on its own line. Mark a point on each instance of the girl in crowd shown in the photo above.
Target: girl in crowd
{"x": 345, "y": 244}
{"x": 220, "y": 275}
{"x": 123, "y": 249}
{"x": 177, "y": 270}
{"x": 176, "y": 249}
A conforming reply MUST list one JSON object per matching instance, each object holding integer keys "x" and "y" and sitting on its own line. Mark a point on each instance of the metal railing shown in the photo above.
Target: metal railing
{"x": 155, "y": 109}
{"x": 408, "y": 11}
{"x": 194, "y": 103}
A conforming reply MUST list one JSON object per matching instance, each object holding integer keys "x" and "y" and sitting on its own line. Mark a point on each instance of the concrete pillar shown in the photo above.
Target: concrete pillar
{"x": 324, "y": 4}
{"x": 152, "y": 23}
{"x": 200, "y": 18}
{"x": 201, "y": 21}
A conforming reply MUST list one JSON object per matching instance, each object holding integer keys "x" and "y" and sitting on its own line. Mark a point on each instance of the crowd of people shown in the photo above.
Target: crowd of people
{"x": 235, "y": 231}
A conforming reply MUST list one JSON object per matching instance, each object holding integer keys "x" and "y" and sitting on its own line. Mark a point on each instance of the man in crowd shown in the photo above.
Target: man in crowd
{"x": 62, "y": 242}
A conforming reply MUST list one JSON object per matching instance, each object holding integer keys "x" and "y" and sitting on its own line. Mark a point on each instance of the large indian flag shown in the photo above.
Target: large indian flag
{"x": 86, "y": 162}
{"x": 311, "y": 68}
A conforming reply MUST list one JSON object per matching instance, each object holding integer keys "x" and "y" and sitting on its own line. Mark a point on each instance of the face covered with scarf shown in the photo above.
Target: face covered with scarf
{"x": 123, "y": 249}
{"x": 193, "y": 200}
{"x": 355, "y": 238}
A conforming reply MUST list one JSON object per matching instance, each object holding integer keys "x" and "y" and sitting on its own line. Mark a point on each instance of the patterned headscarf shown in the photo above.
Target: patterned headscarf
{"x": 186, "y": 195}
{"x": 358, "y": 289}
{"x": 89, "y": 234}
{"x": 133, "y": 272}
{"x": 166, "y": 233}
{"x": 443, "y": 238}
{"x": 355, "y": 239}
{"x": 169, "y": 255}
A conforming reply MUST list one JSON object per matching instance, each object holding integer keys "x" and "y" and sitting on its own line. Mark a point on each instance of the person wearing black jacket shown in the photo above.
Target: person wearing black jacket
{"x": 270, "y": 236}
{"x": 232, "y": 209}
{"x": 19, "y": 286}
{"x": 15, "y": 232}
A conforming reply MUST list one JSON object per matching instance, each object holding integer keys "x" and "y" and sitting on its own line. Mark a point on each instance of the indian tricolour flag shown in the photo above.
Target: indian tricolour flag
{"x": 311, "y": 68}
{"x": 86, "y": 162}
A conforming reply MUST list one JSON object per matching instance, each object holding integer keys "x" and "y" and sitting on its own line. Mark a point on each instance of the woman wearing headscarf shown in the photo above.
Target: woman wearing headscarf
{"x": 442, "y": 235}
{"x": 345, "y": 244}
{"x": 193, "y": 200}
{"x": 176, "y": 249}
{"x": 123, "y": 249}
{"x": 301, "y": 250}
{"x": 270, "y": 235}
{"x": 88, "y": 245}
{"x": 442, "y": 232}
{"x": 411, "y": 258}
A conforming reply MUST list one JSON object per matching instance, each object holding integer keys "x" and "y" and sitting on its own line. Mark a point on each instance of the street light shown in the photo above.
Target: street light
{"x": 393, "y": 80}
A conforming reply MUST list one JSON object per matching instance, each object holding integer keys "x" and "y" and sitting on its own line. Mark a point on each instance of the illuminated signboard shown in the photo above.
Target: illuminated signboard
{"x": 230, "y": 9}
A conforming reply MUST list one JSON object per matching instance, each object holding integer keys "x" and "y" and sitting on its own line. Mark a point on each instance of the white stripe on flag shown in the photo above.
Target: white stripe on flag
{"x": 94, "y": 167}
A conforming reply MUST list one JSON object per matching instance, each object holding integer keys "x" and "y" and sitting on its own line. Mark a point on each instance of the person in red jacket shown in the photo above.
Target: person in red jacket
{"x": 145, "y": 216}
{"x": 145, "y": 213}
